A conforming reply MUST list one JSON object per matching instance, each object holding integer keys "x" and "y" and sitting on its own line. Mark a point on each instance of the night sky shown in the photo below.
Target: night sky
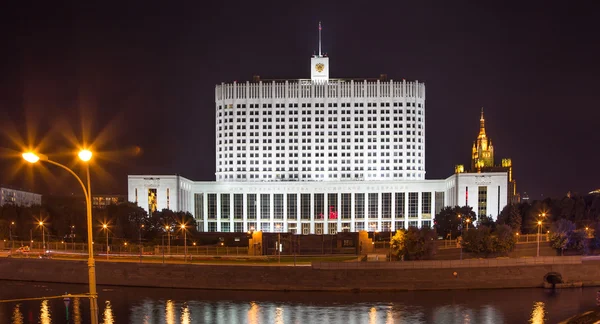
{"x": 136, "y": 79}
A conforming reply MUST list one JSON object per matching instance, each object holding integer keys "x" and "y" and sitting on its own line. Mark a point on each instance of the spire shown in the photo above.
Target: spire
{"x": 319, "y": 39}
{"x": 481, "y": 123}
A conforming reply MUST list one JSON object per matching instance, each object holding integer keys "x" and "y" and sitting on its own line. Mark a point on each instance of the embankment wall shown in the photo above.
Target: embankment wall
{"x": 246, "y": 277}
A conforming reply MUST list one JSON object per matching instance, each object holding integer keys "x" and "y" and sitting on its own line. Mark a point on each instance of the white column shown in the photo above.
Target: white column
{"x": 218, "y": 212}
{"x": 205, "y": 208}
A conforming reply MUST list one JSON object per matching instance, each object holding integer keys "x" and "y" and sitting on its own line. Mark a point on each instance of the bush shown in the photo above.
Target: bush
{"x": 414, "y": 243}
{"x": 481, "y": 240}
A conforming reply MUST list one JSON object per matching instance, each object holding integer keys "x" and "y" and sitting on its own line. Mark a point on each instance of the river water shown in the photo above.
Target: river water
{"x": 170, "y": 306}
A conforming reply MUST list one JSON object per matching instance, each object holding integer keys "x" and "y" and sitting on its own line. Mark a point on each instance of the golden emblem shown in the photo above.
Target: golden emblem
{"x": 320, "y": 67}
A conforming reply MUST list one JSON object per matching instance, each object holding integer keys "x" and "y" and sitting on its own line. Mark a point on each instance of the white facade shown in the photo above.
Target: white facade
{"x": 301, "y": 130}
{"x": 316, "y": 156}
{"x": 321, "y": 207}
{"x": 19, "y": 197}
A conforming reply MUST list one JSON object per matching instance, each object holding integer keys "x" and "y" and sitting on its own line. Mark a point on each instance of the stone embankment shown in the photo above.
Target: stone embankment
{"x": 341, "y": 276}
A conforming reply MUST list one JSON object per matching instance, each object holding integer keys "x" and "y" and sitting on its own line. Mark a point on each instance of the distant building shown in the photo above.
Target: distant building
{"x": 102, "y": 201}
{"x": 595, "y": 192}
{"x": 482, "y": 160}
{"x": 9, "y": 196}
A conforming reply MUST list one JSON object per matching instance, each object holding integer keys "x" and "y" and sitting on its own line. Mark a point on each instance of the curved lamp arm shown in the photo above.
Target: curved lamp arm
{"x": 85, "y": 192}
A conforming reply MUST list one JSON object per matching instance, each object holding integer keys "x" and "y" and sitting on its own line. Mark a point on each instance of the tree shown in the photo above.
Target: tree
{"x": 511, "y": 216}
{"x": 486, "y": 221}
{"x": 482, "y": 240}
{"x": 505, "y": 239}
{"x": 559, "y": 237}
{"x": 446, "y": 222}
{"x": 414, "y": 243}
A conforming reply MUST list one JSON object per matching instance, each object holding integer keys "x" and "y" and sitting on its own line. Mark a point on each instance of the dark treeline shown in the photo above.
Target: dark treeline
{"x": 64, "y": 219}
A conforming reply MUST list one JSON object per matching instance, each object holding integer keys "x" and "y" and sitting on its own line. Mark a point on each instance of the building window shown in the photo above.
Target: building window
{"x": 413, "y": 224}
{"x": 292, "y": 206}
{"x": 212, "y": 208}
{"x": 293, "y": 228}
{"x": 212, "y": 226}
{"x": 400, "y": 204}
{"x": 265, "y": 206}
{"x": 399, "y": 225}
{"x": 278, "y": 206}
{"x": 426, "y": 205}
{"x": 265, "y": 226}
{"x": 439, "y": 201}
{"x": 319, "y": 206}
{"x": 152, "y": 201}
{"x": 225, "y": 227}
{"x": 251, "y": 207}
{"x": 238, "y": 227}
{"x": 426, "y": 224}
{"x": 304, "y": 207}
{"x": 386, "y": 226}
{"x": 359, "y": 226}
{"x": 199, "y": 205}
{"x": 413, "y": 204}
{"x": 225, "y": 206}
{"x": 332, "y": 203}
{"x": 319, "y": 228}
{"x": 373, "y": 205}
{"x": 386, "y": 205}
{"x": 238, "y": 206}
{"x": 359, "y": 206}
{"x": 482, "y": 201}
{"x": 168, "y": 198}
{"x": 346, "y": 206}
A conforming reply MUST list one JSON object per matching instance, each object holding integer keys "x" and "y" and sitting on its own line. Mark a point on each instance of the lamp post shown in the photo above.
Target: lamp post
{"x": 140, "y": 242}
{"x": 468, "y": 220}
{"x": 105, "y": 227}
{"x": 538, "y": 237}
{"x": 278, "y": 243}
{"x": 72, "y": 237}
{"x": 43, "y": 238}
{"x": 84, "y": 155}
{"x": 184, "y": 242}
{"x": 10, "y": 234}
{"x": 168, "y": 228}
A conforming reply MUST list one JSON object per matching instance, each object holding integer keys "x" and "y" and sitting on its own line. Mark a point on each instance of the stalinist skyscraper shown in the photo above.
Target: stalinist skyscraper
{"x": 483, "y": 150}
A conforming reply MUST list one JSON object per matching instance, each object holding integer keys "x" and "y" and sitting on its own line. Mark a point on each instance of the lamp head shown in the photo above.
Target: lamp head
{"x": 539, "y": 222}
{"x": 41, "y": 223}
{"x": 85, "y": 155}
{"x": 104, "y": 226}
{"x": 182, "y": 226}
{"x": 30, "y": 157}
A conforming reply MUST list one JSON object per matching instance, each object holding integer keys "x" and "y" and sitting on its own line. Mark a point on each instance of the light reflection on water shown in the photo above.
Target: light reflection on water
{"x": 538, "y": 314}
{"x": 155, "y": 306}
{"x": 45, "y": 313}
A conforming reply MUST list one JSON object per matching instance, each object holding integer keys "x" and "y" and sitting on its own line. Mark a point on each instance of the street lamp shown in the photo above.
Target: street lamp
{"x": 10, "y": 234}
{"x": 105, "y": 227}
{"x": 84, "y": 155}
{"x": 278, "y": 227}
{"x": 468, "y": 220}
{"x": 72, "y": 237}
{"x": 538, "y": 237}
{"x": 141, "y": 227}
{"x": 184, "y": 242}
{"x": 168, "y": 228}
{"x": 43, "y": 238}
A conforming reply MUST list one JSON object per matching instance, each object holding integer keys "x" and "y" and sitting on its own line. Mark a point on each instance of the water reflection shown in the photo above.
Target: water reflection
{"x": 17, "y": 316}
{"x": 278, "y": 315}
{"x": 170, "y": 312}
{"x": 253, "y": 313}
{"x": 538, "y": 314}
{"x": 389, "y": 316}
{"x": 108, "y": 313}
{"x": 373, "y": 316}
{"x": 185, "y": 315}
{"x": 76, "y": 311}
{"x": 45, "y": 313}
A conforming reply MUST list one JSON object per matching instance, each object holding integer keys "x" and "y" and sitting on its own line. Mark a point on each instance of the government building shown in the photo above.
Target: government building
{"x": 320, "y": 156}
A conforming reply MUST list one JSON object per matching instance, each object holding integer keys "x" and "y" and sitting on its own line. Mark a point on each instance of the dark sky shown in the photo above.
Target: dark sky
{"x": 141, "y": 74}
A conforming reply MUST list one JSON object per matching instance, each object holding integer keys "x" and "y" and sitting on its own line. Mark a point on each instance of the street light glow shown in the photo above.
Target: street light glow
{"x": 41, "y": 223}
{"x": 30, "y": 157}
{"x": 539, "y": 222}
{"x": 182, "y": 226}
{"x": 104, "y": 226}
{"x": 85, "y": 155}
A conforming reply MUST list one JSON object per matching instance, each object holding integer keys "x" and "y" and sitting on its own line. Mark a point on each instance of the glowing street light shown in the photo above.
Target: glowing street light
{"x": 105, "y": 227}
{"x": 84, "y": 155}
{"x": 43, "y": 237}
{"x": 184, "y": 242}
{"x": 538, "y": 237}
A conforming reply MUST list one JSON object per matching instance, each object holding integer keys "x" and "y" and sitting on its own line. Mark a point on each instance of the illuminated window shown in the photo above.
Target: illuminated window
{"x": 359, "y": 205}
{"x": 199, "y": 205}
{"x": 413, "y": 204}
{"x": 225, "y": 206}
{"x": 373, "y": 205}
{"x": 292, "y": 206}
{"x": 426, "y": 204}
{"x": 212, "y": 208}
{"x": 265, "y": 206}
{"x": 238, "y": 206}
{"x": 346, "y": 206}
{"x": 386, "y": 205}
{"x": 400, "y": 204}
{"x": 319, "y": 211}
{"x": 278, "y": 206}
{"x": 251, "y": 207}
{"x": 482, "y": 201}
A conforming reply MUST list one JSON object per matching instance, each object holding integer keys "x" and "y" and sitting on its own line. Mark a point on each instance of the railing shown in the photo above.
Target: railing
{"x": 433, "y": 264}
